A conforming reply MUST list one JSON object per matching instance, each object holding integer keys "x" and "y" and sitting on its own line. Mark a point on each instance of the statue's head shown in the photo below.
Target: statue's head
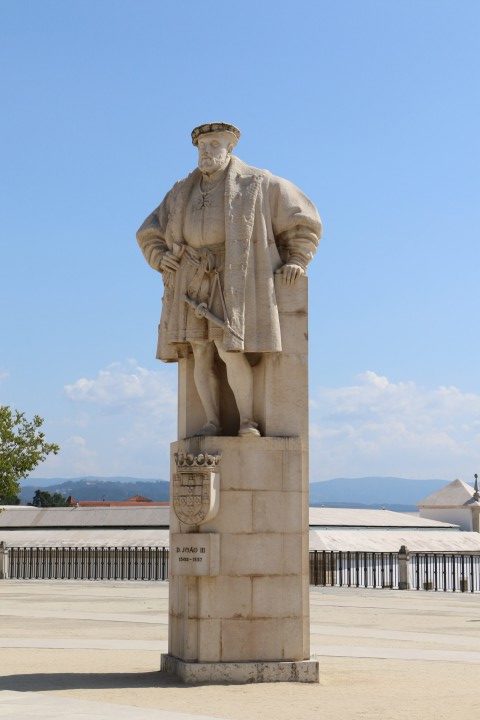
{"x": 215, "y": 142}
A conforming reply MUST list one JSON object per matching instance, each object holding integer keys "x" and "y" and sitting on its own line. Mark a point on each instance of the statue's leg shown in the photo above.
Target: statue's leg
{"x": 240, "y": 379}
{"x": 207, "y": 385}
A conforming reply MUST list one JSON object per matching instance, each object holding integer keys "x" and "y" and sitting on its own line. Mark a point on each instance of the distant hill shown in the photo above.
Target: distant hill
{"x": 96, "y": 488}
{"x": 393, "y": 493}
{"x": 47, "y": 482}
{"x": 377, "y": 491}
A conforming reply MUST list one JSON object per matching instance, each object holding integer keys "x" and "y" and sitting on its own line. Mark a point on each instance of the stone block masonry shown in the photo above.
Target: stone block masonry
{"x": 254, "y": 607}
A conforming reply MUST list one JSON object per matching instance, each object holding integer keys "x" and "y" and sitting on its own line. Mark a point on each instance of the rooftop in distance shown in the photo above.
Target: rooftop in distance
{"x": 157, "y": 515}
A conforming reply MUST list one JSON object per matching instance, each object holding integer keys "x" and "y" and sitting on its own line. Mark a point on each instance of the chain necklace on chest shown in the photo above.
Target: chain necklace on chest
{"x": 206, "y": 199}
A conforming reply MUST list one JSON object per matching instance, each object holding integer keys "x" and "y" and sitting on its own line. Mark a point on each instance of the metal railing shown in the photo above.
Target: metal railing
{"x": 354, "y": 569}
{"x": 447, "y": 572}
{"x": 88, "y": 563}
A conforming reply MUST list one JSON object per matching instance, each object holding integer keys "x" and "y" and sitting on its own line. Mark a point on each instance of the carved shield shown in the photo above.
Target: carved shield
{"x": 196, "y": 488}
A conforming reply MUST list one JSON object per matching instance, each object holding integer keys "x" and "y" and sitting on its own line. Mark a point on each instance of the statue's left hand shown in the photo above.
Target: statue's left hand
{"x": 290, "y": 272}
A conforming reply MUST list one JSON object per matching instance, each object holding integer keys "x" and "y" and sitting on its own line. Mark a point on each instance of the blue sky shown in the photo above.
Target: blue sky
{"x": 370, "y": 107}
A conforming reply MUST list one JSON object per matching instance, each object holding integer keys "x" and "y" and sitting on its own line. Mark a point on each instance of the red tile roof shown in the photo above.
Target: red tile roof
{"x": 135, "y": 501}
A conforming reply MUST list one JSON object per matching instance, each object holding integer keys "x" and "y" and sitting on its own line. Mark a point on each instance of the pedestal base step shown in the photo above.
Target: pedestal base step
{"x": 240, "y": 673}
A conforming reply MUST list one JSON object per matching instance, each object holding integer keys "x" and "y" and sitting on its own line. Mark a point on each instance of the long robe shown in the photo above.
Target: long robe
{"x": 268, "y": 222}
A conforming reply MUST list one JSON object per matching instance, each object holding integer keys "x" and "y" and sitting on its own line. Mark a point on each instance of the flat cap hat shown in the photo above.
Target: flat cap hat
{"x": 215, "y": 127}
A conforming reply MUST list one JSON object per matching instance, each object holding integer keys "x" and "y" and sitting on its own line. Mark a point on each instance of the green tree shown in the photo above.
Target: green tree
{"x": 42, "y": 498}
{"x": 22, "y": 448}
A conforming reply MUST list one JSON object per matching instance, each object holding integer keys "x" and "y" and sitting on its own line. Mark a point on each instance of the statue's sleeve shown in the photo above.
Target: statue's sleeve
{"x": 295, "y": 220}
{"x": 151, "y": 234}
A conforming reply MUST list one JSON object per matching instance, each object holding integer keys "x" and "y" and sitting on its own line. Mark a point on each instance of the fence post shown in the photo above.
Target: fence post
{"x": 3, "y": 561}
{"x": 403, "y": 558}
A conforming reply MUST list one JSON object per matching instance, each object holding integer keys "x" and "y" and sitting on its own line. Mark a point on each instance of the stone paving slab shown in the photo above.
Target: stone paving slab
{"x": 356, "y": 651}
{"x": 405, "y": 636}
{"x": 90, "y": 644}
{"x": 73, "y": 649}
{"x": 40, "y": 612}
{"x": 35, "y": 706}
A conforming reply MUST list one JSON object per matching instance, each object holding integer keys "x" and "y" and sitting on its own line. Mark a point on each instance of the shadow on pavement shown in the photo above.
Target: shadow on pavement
{"x": 42, "y": 682}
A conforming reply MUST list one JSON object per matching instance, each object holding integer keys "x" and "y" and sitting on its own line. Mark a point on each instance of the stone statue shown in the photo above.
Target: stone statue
{"x": 218, "y": 238}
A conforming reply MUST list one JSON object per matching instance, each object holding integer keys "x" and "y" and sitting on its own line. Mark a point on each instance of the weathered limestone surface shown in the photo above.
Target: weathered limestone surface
{"x": 241, "y": 673}
{"x": 195, "y": 554}
{"x": 280, "y": 380}
{"x": 256, "y": 607}
{"x": 224, "y": 239}
{"x": 233, "y": 243}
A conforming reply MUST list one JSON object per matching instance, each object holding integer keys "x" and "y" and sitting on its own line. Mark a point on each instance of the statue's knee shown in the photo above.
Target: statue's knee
{"x": 202, "y": 352}
{"x": 238, "y": 362}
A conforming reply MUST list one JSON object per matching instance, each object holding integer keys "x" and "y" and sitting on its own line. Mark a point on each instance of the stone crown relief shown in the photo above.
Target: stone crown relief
{"x": 218, "y": 238}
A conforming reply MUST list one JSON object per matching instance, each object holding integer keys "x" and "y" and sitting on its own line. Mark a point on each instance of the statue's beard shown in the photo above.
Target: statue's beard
{"x": 211, "y": 164}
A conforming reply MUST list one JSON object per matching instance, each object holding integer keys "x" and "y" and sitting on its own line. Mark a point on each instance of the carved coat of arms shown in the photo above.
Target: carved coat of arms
{"x": 196, "y": 487}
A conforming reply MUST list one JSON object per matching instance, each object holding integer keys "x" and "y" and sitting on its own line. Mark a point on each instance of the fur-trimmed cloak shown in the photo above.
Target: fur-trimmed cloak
{"x": 268, "y": 222}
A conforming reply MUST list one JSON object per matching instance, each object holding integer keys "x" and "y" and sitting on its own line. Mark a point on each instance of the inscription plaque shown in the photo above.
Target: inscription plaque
{"x": 196, "y": 487}
{"x": 195, "y": 554}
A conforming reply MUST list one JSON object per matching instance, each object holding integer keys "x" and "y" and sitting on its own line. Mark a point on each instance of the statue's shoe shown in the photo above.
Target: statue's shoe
{"x": 209, "y": 429}
{"x": 249, "y": 428}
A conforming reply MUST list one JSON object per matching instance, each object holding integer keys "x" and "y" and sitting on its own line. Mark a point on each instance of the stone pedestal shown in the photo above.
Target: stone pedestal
{"x": 239, "y": 576}
{"x": 403, "y": 574}
{"x": 3, "y": 561}
{"x": 241, "y": 673}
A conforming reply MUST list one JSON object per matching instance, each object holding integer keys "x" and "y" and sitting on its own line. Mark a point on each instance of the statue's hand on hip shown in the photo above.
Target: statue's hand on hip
{"x": 168, "y": 267}
{"x": 169, "y": 262}
{"x": 290, "y": 273}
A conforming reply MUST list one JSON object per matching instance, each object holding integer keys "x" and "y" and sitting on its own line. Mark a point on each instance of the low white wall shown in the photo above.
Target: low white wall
{"x": 457, "y": 516}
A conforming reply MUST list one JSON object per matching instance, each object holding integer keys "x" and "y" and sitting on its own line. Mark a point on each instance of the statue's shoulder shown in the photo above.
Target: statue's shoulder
{"x": 268, "y": 177}
{"x": 181, "y": 184}
{"x": 179, "y": 190}
{"x": 243, "y": 170}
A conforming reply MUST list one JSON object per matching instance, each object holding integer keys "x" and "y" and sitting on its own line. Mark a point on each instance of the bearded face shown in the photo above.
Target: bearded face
{"x": 213, "y": 152}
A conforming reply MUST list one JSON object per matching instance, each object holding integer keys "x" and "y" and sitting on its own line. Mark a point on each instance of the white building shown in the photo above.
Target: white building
{"x": 456, "y": 503}
{"x": 331, "y": 529}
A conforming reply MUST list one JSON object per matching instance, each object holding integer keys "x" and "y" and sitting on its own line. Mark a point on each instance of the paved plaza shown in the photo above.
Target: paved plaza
{"x": 92, "y": 650}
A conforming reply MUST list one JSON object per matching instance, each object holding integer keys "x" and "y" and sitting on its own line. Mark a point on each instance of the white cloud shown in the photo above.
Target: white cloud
{"x": 377, "y": 427}
{"x": 125, "y": 418}
{"x": 127, "y": 387}
{"x": 3, "y": 375}
{"x": 75, "y": 458}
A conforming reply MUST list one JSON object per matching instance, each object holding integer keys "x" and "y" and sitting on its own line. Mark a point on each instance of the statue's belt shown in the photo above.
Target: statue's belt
{"x": 207, "y": 261}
